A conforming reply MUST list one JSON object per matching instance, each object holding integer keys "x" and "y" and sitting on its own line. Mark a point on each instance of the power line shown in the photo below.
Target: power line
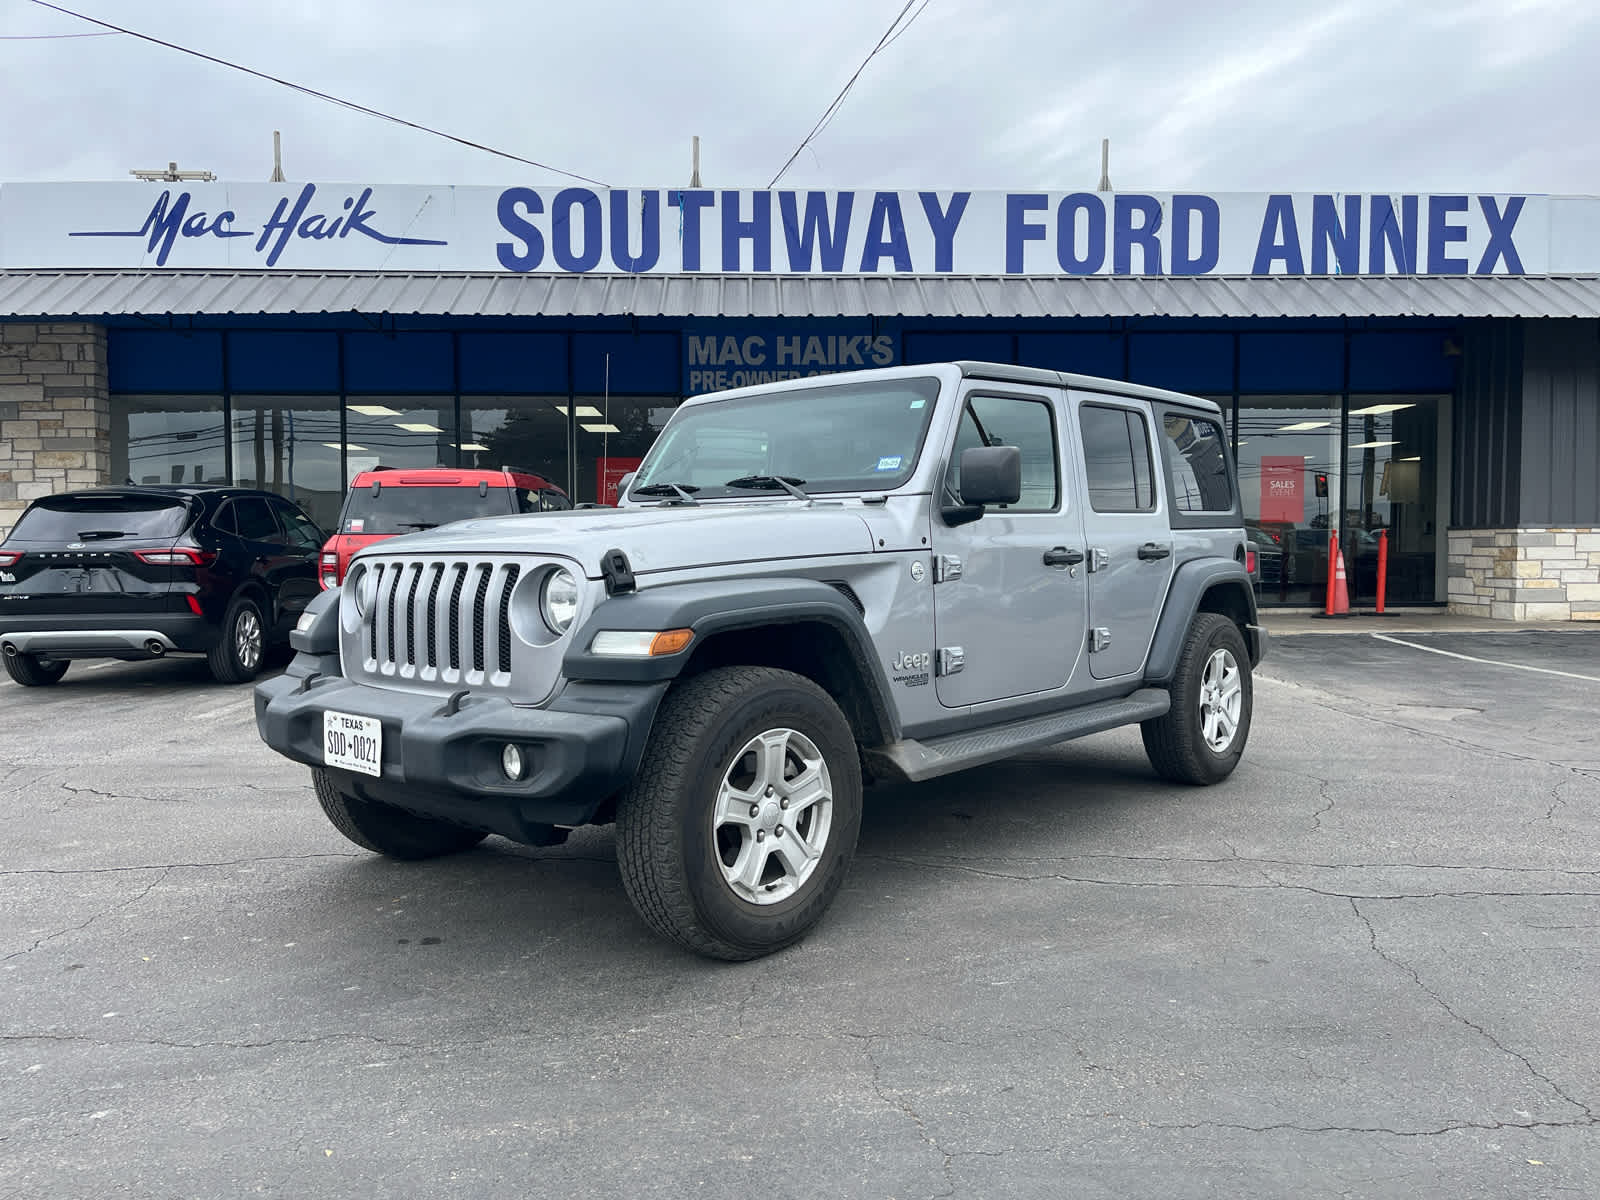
{"x": 350, "y": 104}
{"x": 890, "y": 35}
{"x": 48, "y": 37}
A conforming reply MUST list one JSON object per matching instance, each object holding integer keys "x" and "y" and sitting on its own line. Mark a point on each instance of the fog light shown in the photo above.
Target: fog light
{"x": 511, "y": 762}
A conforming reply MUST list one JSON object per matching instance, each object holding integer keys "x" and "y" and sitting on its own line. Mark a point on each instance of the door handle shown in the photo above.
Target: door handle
{"x": 1151, "y": 551}
{"x": 1062, "y": 557}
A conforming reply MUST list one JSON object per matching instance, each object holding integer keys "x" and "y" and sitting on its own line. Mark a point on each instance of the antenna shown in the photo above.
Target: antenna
{"x": 277, "y": 157}
{"x": 1105, "y": 164}
{"x": 605, "y": 427}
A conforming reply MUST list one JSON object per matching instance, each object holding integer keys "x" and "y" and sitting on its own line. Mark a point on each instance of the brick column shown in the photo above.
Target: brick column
{"x": 1525, "y": 574}
{"x": 55, "y": 412}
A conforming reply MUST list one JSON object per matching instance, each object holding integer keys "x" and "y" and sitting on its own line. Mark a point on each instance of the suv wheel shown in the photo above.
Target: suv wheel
{"x": 32, "y": 671}
{"x": 737, "y": 830}
{"x": 385, "y": 829}
{"x": 1204, "y": 732}
{"x": 236, "y": 658}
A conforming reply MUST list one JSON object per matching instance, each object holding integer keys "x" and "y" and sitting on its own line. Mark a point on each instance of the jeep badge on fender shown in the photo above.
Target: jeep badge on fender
{"x": 705, "y": 666}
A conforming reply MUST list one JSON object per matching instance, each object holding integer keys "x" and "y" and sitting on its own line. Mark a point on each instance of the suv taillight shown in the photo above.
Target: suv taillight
{"x": 329, "y": 570}
{"x": 178, "y": 556}
{"x": 10, "y": 558}
{"x": 1249, "y": 562}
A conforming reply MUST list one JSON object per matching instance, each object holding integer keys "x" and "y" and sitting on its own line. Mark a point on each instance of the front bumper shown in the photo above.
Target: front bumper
{"x": 125, "y": 637}
{"x": 443, "y": 760}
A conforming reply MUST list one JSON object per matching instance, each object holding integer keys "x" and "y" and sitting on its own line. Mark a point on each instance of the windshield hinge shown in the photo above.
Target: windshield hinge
{"x": 617, "y": 571}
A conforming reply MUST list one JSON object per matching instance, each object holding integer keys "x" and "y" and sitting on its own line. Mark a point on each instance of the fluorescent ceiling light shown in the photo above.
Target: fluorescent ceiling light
{"x": 583, "y": 410}
{"x": 1413, "y": 458}
{"x": 473, "y": 446}
{"x": 418, "y": 427}
{"x": 1378, "y": 408}
{"x": 1304, "y": 425}
{"x": 347, "y": 446}
{"x": 1374, "y": 445}
{"x": 1236, "y": 445}
{"x": 598, "y": 428}
{"x": 375, "y": 410}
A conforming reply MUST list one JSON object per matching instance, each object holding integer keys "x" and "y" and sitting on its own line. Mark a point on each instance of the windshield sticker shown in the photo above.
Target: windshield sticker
{"x": 889, "y": 463}
{"x": 918, "y": 403}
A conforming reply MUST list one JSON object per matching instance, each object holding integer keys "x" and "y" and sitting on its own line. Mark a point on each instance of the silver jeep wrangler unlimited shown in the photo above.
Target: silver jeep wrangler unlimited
{"x": 888, "y": 574}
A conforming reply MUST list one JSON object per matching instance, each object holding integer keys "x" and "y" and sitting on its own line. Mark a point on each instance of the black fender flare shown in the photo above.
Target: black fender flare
{"x": 1190, "y": 584}
{"x": 721, "y": 606}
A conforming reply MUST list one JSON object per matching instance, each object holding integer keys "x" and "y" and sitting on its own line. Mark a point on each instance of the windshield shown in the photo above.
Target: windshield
{"x": 82, "y": 518}
{"x": 408, "y": 509}
{"x": 837, "y": 437}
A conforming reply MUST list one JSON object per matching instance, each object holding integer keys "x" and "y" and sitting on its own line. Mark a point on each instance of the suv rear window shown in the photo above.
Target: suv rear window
{"x": 407, "y": 509}
{"x": 85, "y": 518}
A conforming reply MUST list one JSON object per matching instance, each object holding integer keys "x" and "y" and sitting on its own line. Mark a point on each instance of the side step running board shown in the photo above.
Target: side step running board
{"x": 914, "y": 761}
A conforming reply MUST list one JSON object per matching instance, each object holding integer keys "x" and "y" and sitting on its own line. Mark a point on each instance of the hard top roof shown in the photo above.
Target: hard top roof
{"x": 1007, "y": 373}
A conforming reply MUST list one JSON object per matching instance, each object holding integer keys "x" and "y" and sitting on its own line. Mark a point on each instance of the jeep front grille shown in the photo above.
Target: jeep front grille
{"x": 440, "y": 620}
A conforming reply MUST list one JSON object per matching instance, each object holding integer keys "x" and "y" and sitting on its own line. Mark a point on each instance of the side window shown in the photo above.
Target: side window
{"x": 301, "y": 529}
{"x": 223, "y": 521}
{"x": 1116, "y": 459}
{"x": 1199, "y": 462}
{"x": 1009, "y": 421}
{"x": 554, "y": 502}
{"x": 254, "y": 520}
{"x": 527, "y": 500}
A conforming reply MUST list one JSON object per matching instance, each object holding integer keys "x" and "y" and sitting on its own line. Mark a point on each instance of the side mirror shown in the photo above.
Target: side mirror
{"x": 991, "y": 475}
{"x": 623, "y": 484}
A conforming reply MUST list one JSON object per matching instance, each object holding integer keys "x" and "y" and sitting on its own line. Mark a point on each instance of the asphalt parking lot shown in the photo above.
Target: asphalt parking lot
{"x": 1365, "y": 966}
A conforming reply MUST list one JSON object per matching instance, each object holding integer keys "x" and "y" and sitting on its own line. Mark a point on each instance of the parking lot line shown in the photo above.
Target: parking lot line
{"x": 1492, "y": 662}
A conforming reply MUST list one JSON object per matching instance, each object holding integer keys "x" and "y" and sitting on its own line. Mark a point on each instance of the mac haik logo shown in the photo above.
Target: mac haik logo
{"x": 169, "y": 220}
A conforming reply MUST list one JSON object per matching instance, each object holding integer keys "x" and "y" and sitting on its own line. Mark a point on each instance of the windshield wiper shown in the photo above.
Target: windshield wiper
{"x": 88, "y": 534}
{"x": 683, "y": 491}
{"x": 771, "y": 483}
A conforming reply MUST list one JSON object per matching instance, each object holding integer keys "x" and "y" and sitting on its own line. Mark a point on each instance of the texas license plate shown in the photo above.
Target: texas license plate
{"x": 354, "y": 743}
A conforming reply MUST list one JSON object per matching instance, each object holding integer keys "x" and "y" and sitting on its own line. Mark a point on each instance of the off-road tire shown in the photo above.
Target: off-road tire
{"x": 227, "y": 663}
{"x": 1176, "y": 743}
{"x": 31, "y": 671}
{"x": 385, "y": 829}
{"x": 667, "y": 845}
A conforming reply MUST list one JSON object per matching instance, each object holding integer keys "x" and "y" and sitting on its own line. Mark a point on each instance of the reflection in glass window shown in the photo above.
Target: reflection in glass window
{"x": 167, "y": 440}
{"x": 1116, "y": 454}
{"x": 400, "y": 431}
{"x": 529, "y": 432}
{"x": 290, "y": 445}
{"x": 1199, "y": 464}
{"x": 614, "y": 435}
{"x": 1026, "y": 424}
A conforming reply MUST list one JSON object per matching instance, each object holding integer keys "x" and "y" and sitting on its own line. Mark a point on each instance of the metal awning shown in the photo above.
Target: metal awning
{"x": 89, "y": 293}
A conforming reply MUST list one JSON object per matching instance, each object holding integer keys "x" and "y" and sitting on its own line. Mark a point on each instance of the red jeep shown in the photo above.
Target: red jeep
{"x": 387, "y": 501}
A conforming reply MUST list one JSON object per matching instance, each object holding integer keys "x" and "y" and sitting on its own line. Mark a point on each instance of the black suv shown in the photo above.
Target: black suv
{"x": 140, "y": 572}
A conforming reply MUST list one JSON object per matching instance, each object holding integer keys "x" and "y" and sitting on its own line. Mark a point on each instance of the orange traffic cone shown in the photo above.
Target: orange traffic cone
{"x": 1338, "y": 599}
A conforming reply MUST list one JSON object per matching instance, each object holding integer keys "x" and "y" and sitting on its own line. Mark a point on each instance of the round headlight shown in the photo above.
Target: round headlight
{"x": 558, "y": 600}
{"x": 364, "y": 586}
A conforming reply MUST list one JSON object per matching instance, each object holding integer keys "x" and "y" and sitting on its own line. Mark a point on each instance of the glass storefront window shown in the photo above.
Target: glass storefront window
{"x": 399, "y": 431}
{"x": 1288, "y": 456}
{"x": 1391, "y": 468}
{"x": 613, "y": 435}
{"x": 167, "y": 440}
{"x": 516, "y": 431}
{"x": 290, "y": 445}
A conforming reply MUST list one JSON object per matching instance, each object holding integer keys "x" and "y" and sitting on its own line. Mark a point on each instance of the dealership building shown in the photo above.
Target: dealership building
{"x": 1425, "y": 366}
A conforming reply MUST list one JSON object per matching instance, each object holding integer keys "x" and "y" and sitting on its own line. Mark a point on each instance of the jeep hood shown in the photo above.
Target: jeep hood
{"x": 654, "y": 539}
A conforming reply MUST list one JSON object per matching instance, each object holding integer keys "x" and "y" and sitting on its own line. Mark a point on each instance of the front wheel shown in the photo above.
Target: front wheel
{"x": 385, "y": 829}
{"x": 1202, "y": 735}
{"x": 738, "y": 828}
{"x": 32, "y": 671}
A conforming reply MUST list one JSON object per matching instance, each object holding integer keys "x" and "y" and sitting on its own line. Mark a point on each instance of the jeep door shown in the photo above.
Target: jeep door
{"x": 1130, "y": 536}
{"x": 1009, "y": 590}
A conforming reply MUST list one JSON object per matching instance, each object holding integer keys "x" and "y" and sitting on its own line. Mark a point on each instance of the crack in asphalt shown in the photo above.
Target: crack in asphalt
{"x": 906, "y": 1110}
{"x": 1411, "y": 973}
{"x": 1449, "y": 1127}
{"x": 50, "y": 937}
{"x": 1248, "y": 860}
{"x": 1325, "y": 794}
{"x": 266, "y": 1043}
{"x": 182, "y": 866}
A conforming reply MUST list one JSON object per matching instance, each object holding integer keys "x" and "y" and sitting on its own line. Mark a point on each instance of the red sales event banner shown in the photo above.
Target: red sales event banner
{"x": 1283, "y": 488}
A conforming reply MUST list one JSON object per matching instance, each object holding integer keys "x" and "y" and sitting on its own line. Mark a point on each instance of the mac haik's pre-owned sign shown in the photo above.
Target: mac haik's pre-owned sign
{"x": 325, "y": 226}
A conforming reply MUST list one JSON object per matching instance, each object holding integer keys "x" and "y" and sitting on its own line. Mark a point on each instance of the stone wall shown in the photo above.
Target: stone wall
{"x": 1525, "y": 574}
{"x": 55, "y": 416}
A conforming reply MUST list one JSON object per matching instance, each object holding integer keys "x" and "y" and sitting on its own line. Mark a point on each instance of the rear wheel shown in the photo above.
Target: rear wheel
{"x": 1203, "y": 734}
{"x": 32, "y": 671}
{"x": 236, "y": 658}
{"x": 385, "y": 829}
{"x": 738, "y": 828}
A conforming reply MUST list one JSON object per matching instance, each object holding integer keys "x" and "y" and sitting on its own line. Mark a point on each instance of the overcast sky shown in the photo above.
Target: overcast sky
{"x": 1233, "y": 95}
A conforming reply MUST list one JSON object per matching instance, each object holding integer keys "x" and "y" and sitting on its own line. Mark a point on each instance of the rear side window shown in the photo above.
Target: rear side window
{"x": 1116, "y": 459}
{"x": 87, "y": 518}
{"x": 254, "y": 519}
{"x": 1199, "y": 461}
{"x": 407, "y": 509}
